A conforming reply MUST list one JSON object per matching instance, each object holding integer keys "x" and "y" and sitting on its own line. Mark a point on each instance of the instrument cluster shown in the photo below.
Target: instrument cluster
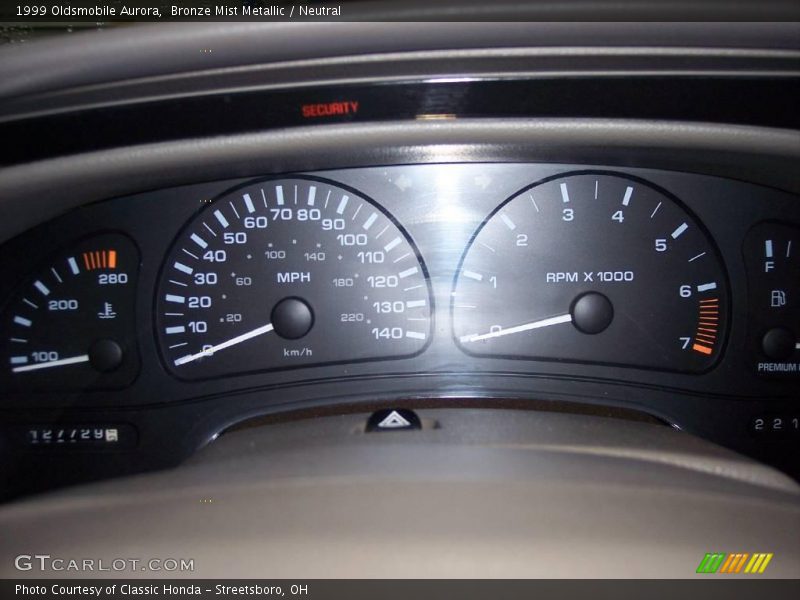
{"x": 150, "y": 323}
{"x": 574, "y": 266}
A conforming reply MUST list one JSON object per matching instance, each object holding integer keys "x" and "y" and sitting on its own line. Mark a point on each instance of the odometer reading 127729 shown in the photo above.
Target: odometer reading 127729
{"x": 290, "y": 272}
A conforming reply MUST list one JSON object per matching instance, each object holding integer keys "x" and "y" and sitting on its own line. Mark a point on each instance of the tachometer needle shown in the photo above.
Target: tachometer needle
{"x": 231, "y": 342}
{"x": 567, "y": 318}
{"x": 53, "y": 363}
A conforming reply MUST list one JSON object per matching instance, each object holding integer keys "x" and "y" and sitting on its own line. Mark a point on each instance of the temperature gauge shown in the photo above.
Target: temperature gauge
{"x": 71, "y": 325}
{"x": 772, "y": 254}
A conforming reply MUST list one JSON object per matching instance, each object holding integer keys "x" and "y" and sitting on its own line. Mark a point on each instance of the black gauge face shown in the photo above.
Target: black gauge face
{"x": 772, "y": 257}
{"x": 71, "y": 326}
{"x": 595, "y": 268}
{"x": 290, "y": 272}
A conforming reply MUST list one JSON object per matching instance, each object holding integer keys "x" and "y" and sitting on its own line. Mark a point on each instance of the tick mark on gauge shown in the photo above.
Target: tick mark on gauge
{"x": 487, "y": 246}
{"x": 29, "y": 303}
{"x": 472, "y": 275}
{"x": 370, "y": 221}
{"x": 312, "y": 193}
{"x": 43, "y": 289}
{"x": 564, "y": 192}
{"x": 279, "y": 194}
{"x": 536, "y": 206}
{"x": 406, "y": 273}
{"x": 415, "y": 335}
{"x": 221, "y": 218}
{"x": 22, "y": 321}
{"x": 198, "y": 240}
{"x": 679, "y": 231}
{"x": 627, "y": 199}
{"x": 248, "y": 202}
{"x": 392, "y": 245}
{"x": 694, "y": 258}
{"x": 507, "y": 220}
{"x": 342, "y": 205}
{"x": 73, "y": 265}
{"x": 705, "y": 287}
{"x": 655, "y": 210}
{"x": 183, "y": 268}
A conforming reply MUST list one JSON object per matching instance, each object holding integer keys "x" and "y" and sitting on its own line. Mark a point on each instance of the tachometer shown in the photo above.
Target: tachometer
{"x": 282, "y": 273}
{"x": 592, "y": 267}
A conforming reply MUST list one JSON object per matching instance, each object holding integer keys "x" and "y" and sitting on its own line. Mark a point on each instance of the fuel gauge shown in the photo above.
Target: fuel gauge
{"x": 71, "y": 325}
{"x": 772, "y": 256}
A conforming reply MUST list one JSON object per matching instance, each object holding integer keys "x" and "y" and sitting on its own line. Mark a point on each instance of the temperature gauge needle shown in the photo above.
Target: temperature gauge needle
{"x": 231, "y": 342}
{"x": 52, "y": 363}
{"x": 566, "y": 318}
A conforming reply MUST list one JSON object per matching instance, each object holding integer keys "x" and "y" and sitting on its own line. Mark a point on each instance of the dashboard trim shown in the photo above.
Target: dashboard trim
{"x": 35, "y": 192}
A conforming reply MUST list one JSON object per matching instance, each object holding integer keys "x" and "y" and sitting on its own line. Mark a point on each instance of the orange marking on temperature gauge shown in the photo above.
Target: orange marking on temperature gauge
{"x": 100, "y": 259}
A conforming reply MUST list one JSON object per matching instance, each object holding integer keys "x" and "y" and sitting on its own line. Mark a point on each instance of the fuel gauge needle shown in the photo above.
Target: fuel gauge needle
{"x": 231, "y": 342}
{"x": 475, "y": 337}
{"x": 52, "y": 363}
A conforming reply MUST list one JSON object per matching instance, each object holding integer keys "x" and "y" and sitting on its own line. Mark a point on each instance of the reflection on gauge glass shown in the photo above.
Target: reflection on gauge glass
{"x": 283, "y": 273}
{"x": 71, "y": 326}
{"x": 596, "y": 268}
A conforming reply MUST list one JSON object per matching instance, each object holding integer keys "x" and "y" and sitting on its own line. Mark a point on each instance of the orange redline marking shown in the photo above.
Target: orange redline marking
{"x": 100, "y": 259}
{"x": 709, "y": 300}
{"x": 702, "y": 349}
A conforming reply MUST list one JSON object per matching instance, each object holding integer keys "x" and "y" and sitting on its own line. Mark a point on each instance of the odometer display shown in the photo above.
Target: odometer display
{"x": 290, "y": 272}
{"x": 595, "y": 268}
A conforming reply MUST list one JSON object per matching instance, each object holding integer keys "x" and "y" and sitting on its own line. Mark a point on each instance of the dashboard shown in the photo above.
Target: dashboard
{"x": 416, "y": 241}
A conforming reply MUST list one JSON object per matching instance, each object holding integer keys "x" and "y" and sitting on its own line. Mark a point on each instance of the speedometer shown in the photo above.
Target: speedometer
{"x": 596, "y": 268}
{"x": 283, "y": 273}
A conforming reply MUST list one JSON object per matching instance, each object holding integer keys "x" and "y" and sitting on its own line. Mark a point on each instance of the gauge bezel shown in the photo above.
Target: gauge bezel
{"x": 164, "y": 359}
{"x": 728, "y": 310}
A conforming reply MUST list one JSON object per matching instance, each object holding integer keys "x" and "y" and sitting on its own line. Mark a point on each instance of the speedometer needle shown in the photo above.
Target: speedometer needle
{"x": 53, "y": 363}
{"x": 231, "y": 342}
{"x": 566, "y": 318}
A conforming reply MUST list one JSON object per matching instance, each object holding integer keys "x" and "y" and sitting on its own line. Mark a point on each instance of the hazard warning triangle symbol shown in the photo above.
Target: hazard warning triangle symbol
{"x": 394, "y": 420}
